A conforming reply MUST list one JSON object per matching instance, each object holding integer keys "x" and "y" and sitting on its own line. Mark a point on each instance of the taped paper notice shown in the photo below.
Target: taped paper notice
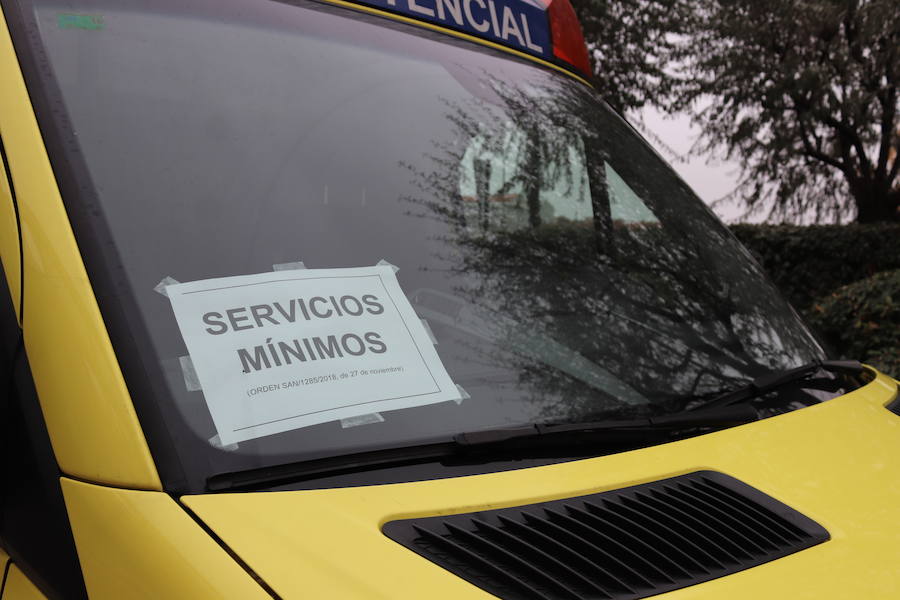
{"x": 190, "y": 375}
{"x": 429, "y": 331}
{"x": 463, "y": 394}
{"x": 288, "y": 266}
{"x": 384, "y": 263}
{"x": 362, "y": 420}
{"x": 161, "y": 287}
{"x": 288, "y": 349}
{"x": 215, "y": 442}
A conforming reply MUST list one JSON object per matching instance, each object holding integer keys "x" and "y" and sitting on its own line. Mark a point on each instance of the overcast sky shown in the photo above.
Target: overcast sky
{"x": 710, "y": 176}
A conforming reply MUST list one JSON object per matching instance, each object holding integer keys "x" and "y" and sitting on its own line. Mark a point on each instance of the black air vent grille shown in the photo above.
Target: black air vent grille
{"x": 629, "y": 543}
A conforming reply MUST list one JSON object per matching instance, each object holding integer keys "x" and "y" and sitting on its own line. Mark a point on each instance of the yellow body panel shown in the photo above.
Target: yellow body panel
{"x": 19, "y": 587}
{"x": 838, "y": 463}
{"x": 9, "y": 238}
{"x": 87, "y": 408}
{"x": 138, "y": 544}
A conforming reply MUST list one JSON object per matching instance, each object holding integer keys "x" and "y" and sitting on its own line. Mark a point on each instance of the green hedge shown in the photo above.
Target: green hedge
{"x": 811, "y": 262}
{"x": 862, "y": 320}
{"x": 845, "y": 279}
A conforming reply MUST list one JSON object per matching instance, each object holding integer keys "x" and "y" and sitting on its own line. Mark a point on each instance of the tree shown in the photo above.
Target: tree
{"x": 630, "y": 44}
{"x": 805, "y": 94}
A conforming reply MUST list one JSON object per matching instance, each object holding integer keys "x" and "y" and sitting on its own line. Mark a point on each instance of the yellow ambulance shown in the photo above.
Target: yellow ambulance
{"x": 379, "y": 300}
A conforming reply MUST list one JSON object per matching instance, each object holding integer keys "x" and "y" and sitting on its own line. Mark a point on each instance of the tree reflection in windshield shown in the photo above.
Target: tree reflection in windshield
{"x": 643, "y": 296}
{"x": 565, "y": 271}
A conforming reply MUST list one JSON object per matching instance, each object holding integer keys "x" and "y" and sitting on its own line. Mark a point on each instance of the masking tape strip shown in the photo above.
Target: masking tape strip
{"x": 368, "y": 419}
{"x": 166, "y": 281}
{"x": 384, "y": 263}
{"x": 289, "y": 266}
{"x": 215, "y": 442}
{"x": 191, "y": 381}
{"x": 429, "y": 331}
{"x": 463, "y": 394}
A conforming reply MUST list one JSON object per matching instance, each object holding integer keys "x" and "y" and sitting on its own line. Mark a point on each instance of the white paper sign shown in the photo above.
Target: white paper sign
{"x": 288, "y": 349}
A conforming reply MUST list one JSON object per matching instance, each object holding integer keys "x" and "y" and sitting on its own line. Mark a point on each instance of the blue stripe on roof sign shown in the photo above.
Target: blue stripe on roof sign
{"x": 521, "y": 24}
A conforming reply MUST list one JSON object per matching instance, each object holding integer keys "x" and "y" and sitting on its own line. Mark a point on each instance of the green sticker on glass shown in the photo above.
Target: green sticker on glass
{"x": 69, "y": 21}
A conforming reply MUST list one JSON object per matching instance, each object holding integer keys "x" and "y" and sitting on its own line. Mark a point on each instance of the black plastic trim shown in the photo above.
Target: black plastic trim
{"x": 894, "y": 406}
{"x": 621, "y": 544}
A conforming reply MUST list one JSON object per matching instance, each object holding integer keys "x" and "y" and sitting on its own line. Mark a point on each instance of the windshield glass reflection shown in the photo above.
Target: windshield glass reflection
{"x": 564, "y": 270}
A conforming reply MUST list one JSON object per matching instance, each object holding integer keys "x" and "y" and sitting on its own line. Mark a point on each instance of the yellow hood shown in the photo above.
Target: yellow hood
{"x": 837, "y": 463}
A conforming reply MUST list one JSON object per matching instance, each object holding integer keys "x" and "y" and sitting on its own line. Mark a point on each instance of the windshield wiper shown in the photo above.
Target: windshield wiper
{"x": 603, "y": 432}
{"x": 529, "y": 441}
{"x": 540, "y": 439}
{"x": 771, "y": 381}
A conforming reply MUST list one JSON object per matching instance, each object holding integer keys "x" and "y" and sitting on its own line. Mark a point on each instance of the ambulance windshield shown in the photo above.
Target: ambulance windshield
{"x": 553, "y": 264}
